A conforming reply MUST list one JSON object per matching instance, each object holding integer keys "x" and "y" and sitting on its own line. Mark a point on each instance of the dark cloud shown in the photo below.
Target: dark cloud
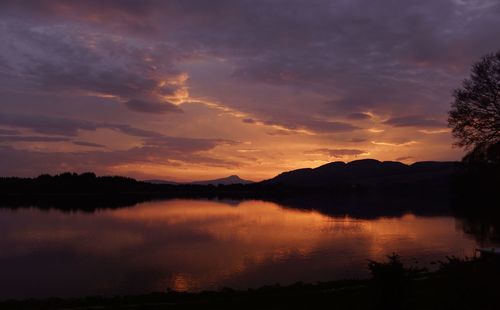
{"x": 151, "y": 107}
{"x": 329, "y": 126}
{"x": 314, "y": 125}
{"x": 70, "y": 60}
{"x": 358, "y": 51}
{"x": 67, "y": 127}
{"x": 357, "y": 140}
{"x": 279, "y": 133}
{"x": 345, "y": 45}
{"x": 415, "y": 121}
{"x": 127, "y": 15}
{"x": 8, "y": 132}
{"x": 71, "y": 127}
{"x": 293, "y": 123}
{"x": 338, "y": 153}
{"x": 359, "y": 116}
{"x": 130, "y": 130}
{"x": 248, "y": 120}
{"x": 403, "y": 158}
{"x": 89, "y": 144}
{"x": 46, "y": 125}
{"x": 4, "y": 138}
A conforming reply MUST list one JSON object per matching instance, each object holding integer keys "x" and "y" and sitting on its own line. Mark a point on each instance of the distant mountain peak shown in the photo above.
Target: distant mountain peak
{"x": 232, "y": 179}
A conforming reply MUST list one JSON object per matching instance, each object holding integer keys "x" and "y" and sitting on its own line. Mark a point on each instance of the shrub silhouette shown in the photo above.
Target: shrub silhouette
{"x": 392, "y": 281}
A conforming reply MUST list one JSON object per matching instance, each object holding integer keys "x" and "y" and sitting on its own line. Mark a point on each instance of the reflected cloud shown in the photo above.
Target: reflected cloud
{"x": 194, "y": 245}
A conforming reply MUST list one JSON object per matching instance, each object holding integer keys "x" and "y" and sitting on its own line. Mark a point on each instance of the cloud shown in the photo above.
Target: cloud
{"x": 302, "y": 70}
{"x": 311, "y": 125}
{"x": 151, "y": 107}
{"x": 74, "y": 61}
{"x": 89, "y": 144}
{"x": 435, "y": 131}
{"x": 359, "y": 116}
{"x": 404, "y": 158}
{"x": 71, "y": 127}
{"x": 46, "y": 125}
{"x": 186, "y": 144}
{"x": 279, "y": 133}
{"x": 66, "y": 126}
{"x": 8, "y": 132}
{"x": 329, "y": 126}
{"x": 248, "y": 120}
{"x": 355, "y": 51}
{"x": 155, "y": 148}
{"x": 415, "y": 121}
{"x": 19, "y": 162}
{"x": 357, "y": 140}
{"x": 127, "y": 15}
{"x": 4, "y": 139}
{"x": 396, "y": 143}
{"x": 338, "y": 153}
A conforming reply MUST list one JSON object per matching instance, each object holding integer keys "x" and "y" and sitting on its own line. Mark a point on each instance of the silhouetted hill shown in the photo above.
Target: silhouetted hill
{"x": 233, "y": 179}
{"x": 336, "y": 177}
{"x": 367, "y": 173}
{"x": 359, "y": 178}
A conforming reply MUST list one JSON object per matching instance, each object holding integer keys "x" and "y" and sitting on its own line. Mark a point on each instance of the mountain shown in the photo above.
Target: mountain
{"x": 232, "y": 179}
{"x": 366, "y": 172}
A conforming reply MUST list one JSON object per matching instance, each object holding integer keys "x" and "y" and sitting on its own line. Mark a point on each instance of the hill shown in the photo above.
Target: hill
{"x": 358, "y": 177}
{"x": 367, "y": 173}
{"x": 233, "y": 179}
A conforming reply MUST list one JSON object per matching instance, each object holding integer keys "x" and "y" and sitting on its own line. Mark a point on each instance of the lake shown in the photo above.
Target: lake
{"x": 192, "y": 245}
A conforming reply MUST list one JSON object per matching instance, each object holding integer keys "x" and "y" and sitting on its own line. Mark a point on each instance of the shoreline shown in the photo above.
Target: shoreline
{"x": 392, "y": 286}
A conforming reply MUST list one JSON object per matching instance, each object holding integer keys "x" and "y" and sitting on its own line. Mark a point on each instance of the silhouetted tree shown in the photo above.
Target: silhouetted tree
{"x": 475, "y": 114}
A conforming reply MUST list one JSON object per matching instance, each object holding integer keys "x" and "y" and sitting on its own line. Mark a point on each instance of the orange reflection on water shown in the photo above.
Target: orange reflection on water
{"x": 195, "y": 244}
{"x": 252, "y": 233}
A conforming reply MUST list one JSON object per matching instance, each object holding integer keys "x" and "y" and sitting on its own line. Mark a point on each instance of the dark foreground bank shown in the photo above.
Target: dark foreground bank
{"x": 457, "y": 284}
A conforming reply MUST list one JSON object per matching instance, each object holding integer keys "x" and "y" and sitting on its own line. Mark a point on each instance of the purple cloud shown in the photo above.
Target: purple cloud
{"x": 415, "y": 121}
{"x": 89, "y": 144}
{"x": 151, "y": 107}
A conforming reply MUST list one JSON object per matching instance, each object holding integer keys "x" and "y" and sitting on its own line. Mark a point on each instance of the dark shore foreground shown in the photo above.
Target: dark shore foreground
{"x": 457, "y": 284}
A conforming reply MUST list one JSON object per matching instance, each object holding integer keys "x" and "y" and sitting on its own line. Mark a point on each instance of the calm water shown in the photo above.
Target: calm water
{"x": 195, "y": 245}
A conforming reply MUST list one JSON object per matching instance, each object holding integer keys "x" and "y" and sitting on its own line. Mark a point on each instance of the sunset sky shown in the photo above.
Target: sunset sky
{"x": 188, "y": 90}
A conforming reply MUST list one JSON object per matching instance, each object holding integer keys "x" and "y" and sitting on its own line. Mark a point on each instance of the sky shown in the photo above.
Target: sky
{"x": 192, "y": 89}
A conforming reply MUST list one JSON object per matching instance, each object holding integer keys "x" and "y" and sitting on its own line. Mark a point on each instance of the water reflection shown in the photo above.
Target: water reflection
{"x": 195, "y": 245}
